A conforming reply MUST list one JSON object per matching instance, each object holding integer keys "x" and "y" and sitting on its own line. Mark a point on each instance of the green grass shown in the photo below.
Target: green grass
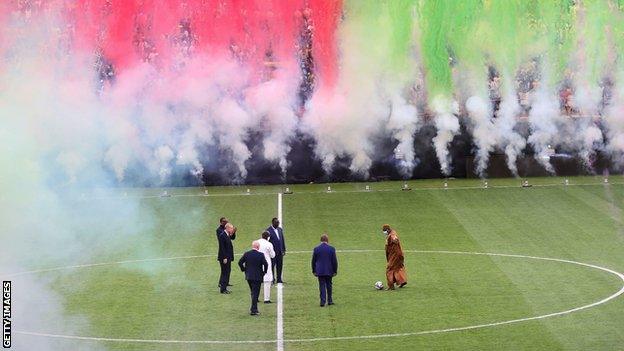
{"x": 178, "y": 299}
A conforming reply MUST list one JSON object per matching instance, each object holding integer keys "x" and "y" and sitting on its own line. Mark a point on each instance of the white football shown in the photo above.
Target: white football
{"x": 379, "y": 285}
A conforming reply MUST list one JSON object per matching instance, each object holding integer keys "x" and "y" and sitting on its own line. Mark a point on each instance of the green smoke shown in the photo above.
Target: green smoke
{"x": 593, "y": 30}
{"x": 381, "y": 31}
{"x": 505, "y": 34}
{"x": 553, "y": 22}
{"x": 447, "y": 28}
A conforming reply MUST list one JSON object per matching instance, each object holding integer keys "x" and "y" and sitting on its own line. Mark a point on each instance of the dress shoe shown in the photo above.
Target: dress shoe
{"x": 226, "y": 292}
{"x": 254, "y": 313}
{"x": 331, "y": 303}
{"x": 402, "y": 285}
{"x": 268, "y": 301}
{"x": 322, "y": 305}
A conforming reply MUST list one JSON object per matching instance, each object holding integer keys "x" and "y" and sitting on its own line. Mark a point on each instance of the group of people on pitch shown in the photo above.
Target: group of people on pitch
{"x": 263, "y": 263}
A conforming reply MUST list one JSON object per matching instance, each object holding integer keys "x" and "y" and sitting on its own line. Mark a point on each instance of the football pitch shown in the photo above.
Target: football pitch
{"x": 502, "y": 267}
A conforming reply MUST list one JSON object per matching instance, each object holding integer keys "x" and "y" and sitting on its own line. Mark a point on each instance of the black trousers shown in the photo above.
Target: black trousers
{"x": 254, "y": 286}
{"x": 224, "y": 278}
{"x": 325, "y": 288}
{"x": 277, "y": 267}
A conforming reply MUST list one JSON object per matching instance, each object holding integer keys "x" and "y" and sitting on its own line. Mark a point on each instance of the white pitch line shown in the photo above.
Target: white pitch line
{"x": 338, "y": 338}
{"x": 88, "y": 265}
{"x": 280, "y": 287}
{"x": 145, "y": 341}
{"x": 548, "y": 185}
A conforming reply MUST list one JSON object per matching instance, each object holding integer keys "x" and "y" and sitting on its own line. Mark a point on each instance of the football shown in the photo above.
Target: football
{"x": 378, "y": 285}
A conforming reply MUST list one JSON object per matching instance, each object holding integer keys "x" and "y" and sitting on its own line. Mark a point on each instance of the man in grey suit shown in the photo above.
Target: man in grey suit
{"x": 279, "y": 245}
{"x": 255, "y": 267}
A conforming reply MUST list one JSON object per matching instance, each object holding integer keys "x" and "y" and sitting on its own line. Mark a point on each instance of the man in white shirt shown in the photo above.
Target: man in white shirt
{"x": 269, "y": 253}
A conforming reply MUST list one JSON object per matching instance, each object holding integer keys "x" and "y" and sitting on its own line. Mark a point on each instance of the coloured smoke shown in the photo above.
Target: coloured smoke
{"x": 447, "y": 125}
{"x": 146, "y": 112}
{"x": 62, "y": 138}
{"x": 510, "y": 140}
{"x": 343, "y": 119}
{"x": 484, "y": 133}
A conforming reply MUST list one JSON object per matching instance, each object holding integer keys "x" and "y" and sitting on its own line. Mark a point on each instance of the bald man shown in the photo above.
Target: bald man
{"x": 255, "y": 267}
{"x": 395, "y": 269}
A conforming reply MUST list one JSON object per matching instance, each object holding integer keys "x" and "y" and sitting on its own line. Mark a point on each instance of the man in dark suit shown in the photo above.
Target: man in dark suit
{"x": 325, "y": 267}
{"x": 255, "y": 267}
{"x": 279, "y": 245}
{"x": 226, "y": 256}
{"x": 222, "y": 222}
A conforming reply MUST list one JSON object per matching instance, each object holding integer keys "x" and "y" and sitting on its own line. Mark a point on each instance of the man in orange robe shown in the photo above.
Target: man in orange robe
{"x": 395, "y": 270}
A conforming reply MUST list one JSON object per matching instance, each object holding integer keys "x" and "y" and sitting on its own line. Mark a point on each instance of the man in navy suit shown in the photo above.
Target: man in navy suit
{"x": 325, "y": 267}
{"x": 226, "y": 256}
{"x": 255, "y": 267}
{"x": 279, "y": 245}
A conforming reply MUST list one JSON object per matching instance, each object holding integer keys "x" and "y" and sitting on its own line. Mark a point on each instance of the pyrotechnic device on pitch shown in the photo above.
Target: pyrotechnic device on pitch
{"x": 379, "y": 285}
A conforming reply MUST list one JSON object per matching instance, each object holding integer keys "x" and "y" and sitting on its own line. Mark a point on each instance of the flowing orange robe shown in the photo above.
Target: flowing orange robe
{"x": 395, "y": 270}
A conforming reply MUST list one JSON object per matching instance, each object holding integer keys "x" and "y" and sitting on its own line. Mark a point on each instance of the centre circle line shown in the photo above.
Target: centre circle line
{"x": 338, "y": 338}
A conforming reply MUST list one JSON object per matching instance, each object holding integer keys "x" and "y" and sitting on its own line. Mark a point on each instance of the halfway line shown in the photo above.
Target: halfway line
{"x": 280, "y": 297}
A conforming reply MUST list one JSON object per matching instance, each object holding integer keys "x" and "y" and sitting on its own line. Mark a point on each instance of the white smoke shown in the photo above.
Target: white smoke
{"x": 342, "y": 125}
{"x": 232, "y": 124}
{"x": 614, "y": 123}
{"x": 403, "y": 124}
{"x": 510, "y": 141}
{"x": 543, "y": 120}
{"x": 447, "y": 125}
{"x": 484, "y": 134}
{"x": 273, "y": 103}
{"x": 164, "y": 155}
{"x": 588, "y": 137}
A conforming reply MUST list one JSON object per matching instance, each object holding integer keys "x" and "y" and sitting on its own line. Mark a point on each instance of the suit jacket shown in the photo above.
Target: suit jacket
{"x": 279, "y": 245}
{"x": 226, "y": 249}
{"x": 254, "y": 265}
{"x": 324, "y": 260}
{"x": 220, "y": 230}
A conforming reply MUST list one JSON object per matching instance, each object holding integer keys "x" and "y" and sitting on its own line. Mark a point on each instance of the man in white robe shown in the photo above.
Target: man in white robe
{"x": 269, "y": 253}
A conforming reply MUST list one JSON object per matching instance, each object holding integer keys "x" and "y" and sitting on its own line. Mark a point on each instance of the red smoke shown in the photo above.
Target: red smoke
{"x": 325, "y": 15}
